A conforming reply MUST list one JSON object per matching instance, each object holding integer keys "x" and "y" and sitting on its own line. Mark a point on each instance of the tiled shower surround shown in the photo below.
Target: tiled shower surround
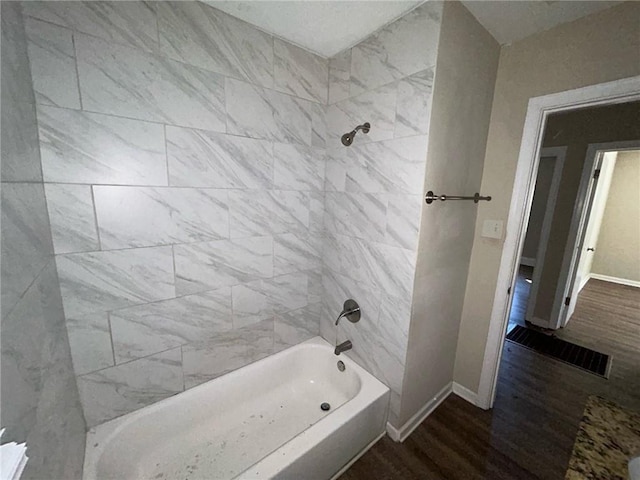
{"x": 203, "y": 212}
{"x": 373, "y": 195}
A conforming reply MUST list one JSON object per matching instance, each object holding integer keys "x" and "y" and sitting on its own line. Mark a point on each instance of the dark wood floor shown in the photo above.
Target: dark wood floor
{"x": 529, "y": 433}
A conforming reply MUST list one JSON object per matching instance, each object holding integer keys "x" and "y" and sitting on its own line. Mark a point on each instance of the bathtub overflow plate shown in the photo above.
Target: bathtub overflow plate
{"x": 325, "y": 406}
{"x": 341, "y": 366}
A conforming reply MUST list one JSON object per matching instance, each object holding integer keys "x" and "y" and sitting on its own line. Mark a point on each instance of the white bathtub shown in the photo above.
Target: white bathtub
{"x": 261, "y": 421}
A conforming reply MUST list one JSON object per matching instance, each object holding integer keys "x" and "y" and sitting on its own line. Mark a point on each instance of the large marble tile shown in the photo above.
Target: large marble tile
{"x": 316, "y": 212}
{"x": 226, "y": 352}
{"x": 250, "y": 304}
{"x": 260, "y": 113}
{"x": 318, "y": 125}
{"x": 71, "y": 213}
{"x": 118, "y": 390}
{"x": 251, "y": 213}
{"x": 337, "y": 161}
{"x": 34, "y": 350}
{"x": 210, "y": 265}
{"x": 386, "y": 268}
{"x": 16, "y": 78}
{"x": 145, "y": 216}
{"x": 195, "y": 33}
{"x": 299, "y": 72}
{"x": 58, "y": 440}
{"x": 100, "y": 281}
{"x": 125, "y": 22}
{"x": 260, "y": 212}
{"x": 392, "y": 166}
{"x": 19, "y": 142}
{"x": 296, "y": 252}
{"x": 198, "y": 158}
{"x": 249, "y": 110}
{"x": 154, "y": 327}
{"x": 332, "y": 251}
{"x": 373, "y": 350}
{"x": 297, "y": 167}
{"x": 260, "y": 299}
{"x": 360, "y": 215}
{"x": 39, "y": 395}
{"x": 403, "y": 220}
{"x": 90, "y": 342}
{"x": 339, "y": 76}
{"x": 26, "y": 239}
{"x": 395, "y": 319}
{"x": 413, "y": 111}
{"x": 131, "y": 83}
{"x": 314, "y": 285}
{"x": 28, "y": 333}
{"x": 297, "y": 326}
{"x": 378, "y": 107}
{"x": 81, "y": 147}
{"x": 53, "y": 64}
{"x": 292, "y": 117}
{"x": 20, "y": 154}
{"x": 384, "y": 57}
{"x": 291, "y": 211}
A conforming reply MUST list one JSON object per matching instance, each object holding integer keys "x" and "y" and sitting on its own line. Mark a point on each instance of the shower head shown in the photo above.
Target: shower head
{"x": 347, "y": 138}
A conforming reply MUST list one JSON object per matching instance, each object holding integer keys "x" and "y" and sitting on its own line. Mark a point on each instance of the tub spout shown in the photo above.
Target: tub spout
{"x": 343, "y": 347}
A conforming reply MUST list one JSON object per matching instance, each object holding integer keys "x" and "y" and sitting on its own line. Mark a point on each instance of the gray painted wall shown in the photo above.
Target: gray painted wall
{"x": 40, "y": 403}
{"x": 618, "y": 247}
{"x": 462, "y": 98}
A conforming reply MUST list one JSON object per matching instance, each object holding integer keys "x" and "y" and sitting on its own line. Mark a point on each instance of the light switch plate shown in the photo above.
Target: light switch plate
{"x": 492, "y": 229}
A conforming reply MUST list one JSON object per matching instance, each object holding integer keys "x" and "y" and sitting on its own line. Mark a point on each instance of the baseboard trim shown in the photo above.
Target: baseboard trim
{"x": 466, "y": 394}
{"x": 528, "y": 261}
{"x": 357, "y": 457}
{"x": 401, "y": 434}
{"x": 621, "y": 281}
{"x": 584, "y": 281}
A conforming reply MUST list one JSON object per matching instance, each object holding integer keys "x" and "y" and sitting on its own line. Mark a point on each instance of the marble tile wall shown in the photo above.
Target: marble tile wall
{"x": 40, "y": 401}
{"x": 183, "y": 157}
{"x": 373, "y": 197}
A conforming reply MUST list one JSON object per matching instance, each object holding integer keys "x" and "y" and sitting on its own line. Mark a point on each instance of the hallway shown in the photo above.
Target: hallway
{"x": 530, "y": 432}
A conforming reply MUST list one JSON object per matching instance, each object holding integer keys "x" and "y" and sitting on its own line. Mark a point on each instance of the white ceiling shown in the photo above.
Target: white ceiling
{"x": 509, "y": 21}
{"x": 324, "y": 27}
{"x": 328, "y": 27}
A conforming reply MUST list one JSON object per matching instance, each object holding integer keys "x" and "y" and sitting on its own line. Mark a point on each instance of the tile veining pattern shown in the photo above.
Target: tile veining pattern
{"x": 183, "y": 156}
{"x": 40, "y": 402}
{"x": 373, "y": 188}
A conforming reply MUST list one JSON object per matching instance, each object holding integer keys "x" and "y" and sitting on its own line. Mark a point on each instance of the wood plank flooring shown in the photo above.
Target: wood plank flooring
{"x": 529, "y": 434}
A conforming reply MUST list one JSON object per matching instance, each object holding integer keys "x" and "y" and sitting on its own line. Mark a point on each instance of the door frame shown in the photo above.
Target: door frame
{"x": 561, "y": 312}
{"x": 560, "y": 153}
{"x": 539, "y": 108}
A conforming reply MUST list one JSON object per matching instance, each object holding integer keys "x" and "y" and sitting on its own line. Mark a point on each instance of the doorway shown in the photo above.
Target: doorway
{"x": 540, "y": 109}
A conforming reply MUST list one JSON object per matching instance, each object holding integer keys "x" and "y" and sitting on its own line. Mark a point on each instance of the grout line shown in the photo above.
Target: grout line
{"x": 131, "y": 361}
{"x": 166, "y": 153}
{"x": 182, "y": 367}
{"x": 173, "y": 258}
{"x": 75, "y": 64}
{"x": 95, "y": 219}
{"x": 113, "y": 348}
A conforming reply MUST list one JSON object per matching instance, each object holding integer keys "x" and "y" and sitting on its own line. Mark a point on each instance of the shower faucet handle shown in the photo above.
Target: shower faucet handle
{"x": 351, "y": 310}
